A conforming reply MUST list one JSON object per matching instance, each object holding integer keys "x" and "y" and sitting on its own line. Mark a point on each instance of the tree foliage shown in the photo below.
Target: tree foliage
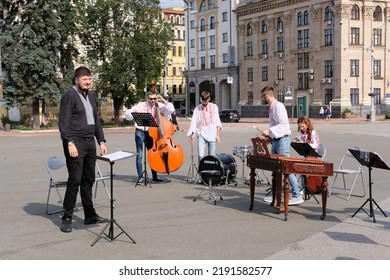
{"x": 127, "y": 42}
{"x": 36, "y": 47}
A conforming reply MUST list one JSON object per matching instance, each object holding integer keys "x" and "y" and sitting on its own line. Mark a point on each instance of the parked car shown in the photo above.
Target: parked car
{"x": 228, "y": 115}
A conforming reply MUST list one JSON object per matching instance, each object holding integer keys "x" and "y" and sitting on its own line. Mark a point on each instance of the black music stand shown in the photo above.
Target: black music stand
{"x": 112, "y": 158}
{"x": 369, "y": 159}
{"x": 145, "y": 120}
{"x": 305, "y": 150}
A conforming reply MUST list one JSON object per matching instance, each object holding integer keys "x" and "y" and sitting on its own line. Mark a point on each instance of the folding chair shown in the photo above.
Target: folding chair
{"x": 100, "y": 177}
{"x": 348, "y": 166}
{"x": 54, "y": 166}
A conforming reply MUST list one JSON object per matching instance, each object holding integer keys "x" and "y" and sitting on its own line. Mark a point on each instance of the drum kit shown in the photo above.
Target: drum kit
{"x": 226, "y": 166}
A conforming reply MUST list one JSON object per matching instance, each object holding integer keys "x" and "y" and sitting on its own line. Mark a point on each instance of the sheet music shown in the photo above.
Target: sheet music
{"x": 117, "y": 156}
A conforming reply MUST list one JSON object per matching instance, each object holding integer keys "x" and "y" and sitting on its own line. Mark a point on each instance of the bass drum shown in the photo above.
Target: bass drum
{"x": 224, "y": 163}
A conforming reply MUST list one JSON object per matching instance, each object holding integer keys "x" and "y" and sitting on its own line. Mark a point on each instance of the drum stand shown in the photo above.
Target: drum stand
{"x": 192, "y": 176}
{"x": 211, "y": 174}
{"x": 243, "y": 179}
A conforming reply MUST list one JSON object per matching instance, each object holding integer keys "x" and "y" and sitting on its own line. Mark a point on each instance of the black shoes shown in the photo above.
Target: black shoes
{"x": 158, "y": 180}
{"x": 66, "y": 226}
{"x": 95, "y": 220}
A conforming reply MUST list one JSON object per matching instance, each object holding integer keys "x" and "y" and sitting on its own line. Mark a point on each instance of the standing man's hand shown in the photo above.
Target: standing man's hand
{"x": 103, "y": 149}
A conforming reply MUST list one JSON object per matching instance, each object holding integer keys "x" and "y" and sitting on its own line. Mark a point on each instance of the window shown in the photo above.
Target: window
{"x": 211, "y": 4}
{"x": 249, "y": 29}
{"x": 202, "y": 25}
{"x": 192, "y": 24}
{"x": 202, "y": 62}
{"x": 328, "y": 14}
{"x": 180, "y": 89}
{"x": 328, "y": 68}
{"x": 264, "y": 27}
{"x": 354, "y": 96}
{"x": 212, "y": 42}
{"x": 178, "y": 34}
{"x": 224, "y": 37}
{"x": 300, "y": 19}
{"x": 303, "y": 38}
{"x": 329, "y": 37}
{"x": 249, "y": 49}
{"x": 355, "y": 36}
{"x": 224, "y": 16}
{"x": 355, "y": 12}
{"x": 377, "y": 37}
{"x": 174, "y": 51}
{"x": 202, "y": 7}
{"x": 250, "y": 97}
{"x": 354, "y": 67}
{"x": 202, "y": 43}
{"x": 328, "y": 95}
{"x": 192, "y": 43}
{"x": 378, "y": 13}
{"x": 279, "y": 25}
{"x": 306, "y": 18}
{"x": 212, "y": 22}
{"x": 225, "y": 58}
{"x": 264, "y": 46}
{"x": 264, "y": 73}
{"x": 212, "y": 61}
{"x": 377, "y": 69}
{"x": 192, "y": 61}
{"x": 250, "y": 74}
{"x": 303, "y": 80}
{"x": 174, "y": 71}
{"x": 280, "y": 70}
{"x": 377, "y": 98}
{"x": 180, "y": 51}
{"x": 303, "y": 60}
{"x": 281, "y": 97}
{"x": 174, "y": 89}
{"x": 280, "y": 46}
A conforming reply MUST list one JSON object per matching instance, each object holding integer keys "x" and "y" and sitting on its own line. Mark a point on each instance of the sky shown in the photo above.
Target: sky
{"x": 171, "y": 3}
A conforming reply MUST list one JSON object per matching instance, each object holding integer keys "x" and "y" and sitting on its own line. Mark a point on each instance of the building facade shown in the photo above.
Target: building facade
{"x": 211, "y": 53}
{"x": 314, "y": 53}
{"x": 173, "y": 79}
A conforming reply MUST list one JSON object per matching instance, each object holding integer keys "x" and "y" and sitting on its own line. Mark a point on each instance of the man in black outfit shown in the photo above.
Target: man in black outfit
{"x": 79, "y": 124}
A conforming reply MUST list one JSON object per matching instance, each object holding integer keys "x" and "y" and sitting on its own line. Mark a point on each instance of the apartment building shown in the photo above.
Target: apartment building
{"x": 211, "y": 52}
{"x": 315, "y": 53}
{"x": 173, "y": 79}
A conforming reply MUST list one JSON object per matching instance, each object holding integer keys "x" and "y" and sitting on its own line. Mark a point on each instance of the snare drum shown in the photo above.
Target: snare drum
{"x": 242, "y": 150}
{"x": 224, "y": 163}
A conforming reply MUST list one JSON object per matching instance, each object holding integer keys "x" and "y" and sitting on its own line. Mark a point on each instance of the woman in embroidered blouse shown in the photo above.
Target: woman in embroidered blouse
{"x": 206, "y": 126}
{"x": 307, "y": 134}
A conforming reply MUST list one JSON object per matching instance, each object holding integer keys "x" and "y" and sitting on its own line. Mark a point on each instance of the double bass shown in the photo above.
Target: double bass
{"x": 165, "y": 155}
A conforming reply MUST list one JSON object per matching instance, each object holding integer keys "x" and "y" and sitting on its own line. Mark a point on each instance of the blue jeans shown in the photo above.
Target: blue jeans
{"x": 202, "y": 145}
{"x": 139, "y": 143}
{"x": 282, "y": 147}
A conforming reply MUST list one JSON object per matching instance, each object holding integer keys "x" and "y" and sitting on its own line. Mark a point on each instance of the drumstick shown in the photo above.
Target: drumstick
{"x": 258, "y": 129}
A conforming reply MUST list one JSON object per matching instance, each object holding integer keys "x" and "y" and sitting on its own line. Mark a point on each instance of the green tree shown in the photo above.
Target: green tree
{"x": 36, "y": 51}
{"x": 127, "y": 42}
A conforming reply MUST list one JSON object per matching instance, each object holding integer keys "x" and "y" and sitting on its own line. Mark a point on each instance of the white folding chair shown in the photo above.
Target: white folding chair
{"x": 100, "y": 177}
{"x": 348, "y": 166}
{"x": 321, "y": 151}
{"x": 54, "y": 165}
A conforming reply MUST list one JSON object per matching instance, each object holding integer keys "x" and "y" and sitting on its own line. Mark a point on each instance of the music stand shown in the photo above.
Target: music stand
{"x": 145, "y": 120}
{"x": 305, "y": 150}
{"x": 369, "y": 159}
{"x": 112, "y": 158}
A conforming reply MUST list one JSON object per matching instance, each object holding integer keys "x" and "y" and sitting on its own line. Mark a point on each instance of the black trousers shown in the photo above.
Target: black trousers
{"x": 81, "y": 173}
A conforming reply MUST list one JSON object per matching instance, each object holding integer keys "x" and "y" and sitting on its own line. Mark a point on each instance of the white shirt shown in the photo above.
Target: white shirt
{"x": 205, "y": 121}
{"x": 144, "y": 107}
{"x": 278, "y": 120}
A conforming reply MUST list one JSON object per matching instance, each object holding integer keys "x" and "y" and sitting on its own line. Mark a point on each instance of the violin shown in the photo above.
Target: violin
{"x": 165, "y": 155}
